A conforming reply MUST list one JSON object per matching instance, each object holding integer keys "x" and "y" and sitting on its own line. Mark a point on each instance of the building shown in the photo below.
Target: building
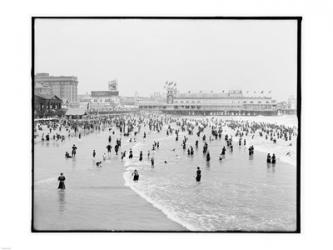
{"x": 292, "y": 103}
{"x": 76, "y": 113}
{"x": 233, "y": 102}
{"x": 42, "y": 89}
{"x": 47, "y": 105}
{"x": 84, "y": 101}
{"x": 104, "y": 100}
{"x": 128, "y": 101}
{"x": 64, "y": 87}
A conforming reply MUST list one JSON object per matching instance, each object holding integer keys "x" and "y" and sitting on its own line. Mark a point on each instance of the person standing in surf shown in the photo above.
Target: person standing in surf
{"x": 74, "y": 150}
{"x": 61, "y": 180}
{"x": 198, "y": 177}
{"x": 135, "y": 175}
{"x": 108, "y": 147}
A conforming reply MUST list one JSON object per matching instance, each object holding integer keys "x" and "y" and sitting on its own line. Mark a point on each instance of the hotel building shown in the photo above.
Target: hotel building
{"x": 64, "y": 87}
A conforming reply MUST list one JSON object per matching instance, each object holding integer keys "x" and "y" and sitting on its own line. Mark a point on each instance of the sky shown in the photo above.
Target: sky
{"x": 199, "y": 55}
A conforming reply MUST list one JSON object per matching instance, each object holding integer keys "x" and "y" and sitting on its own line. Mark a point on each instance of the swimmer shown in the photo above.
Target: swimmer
{"x": 67, "y": 155}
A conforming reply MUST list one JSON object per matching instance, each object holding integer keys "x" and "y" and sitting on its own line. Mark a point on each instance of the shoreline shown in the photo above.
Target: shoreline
{"x": 157, "y": 206}
{"x": 164, "y": 210}
{"x": 107, "y": 197}
{"x": 130, "y": 212}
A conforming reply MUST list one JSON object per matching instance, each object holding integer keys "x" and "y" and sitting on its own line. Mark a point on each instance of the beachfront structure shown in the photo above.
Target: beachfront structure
{"x": 75, "y": 113}
{"x": 104, "y": 100}
{"x": 47, "y": 105}
{"x": 42, "y": 89}
{"x": 84, "y": 100}
{"x": 65, "y": 87}
{"x": 292, "y": 103}
{"x": 232, "y": 102}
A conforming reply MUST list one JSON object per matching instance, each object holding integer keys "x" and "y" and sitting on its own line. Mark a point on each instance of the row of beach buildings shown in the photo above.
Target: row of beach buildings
{"x": 58, "y": 95}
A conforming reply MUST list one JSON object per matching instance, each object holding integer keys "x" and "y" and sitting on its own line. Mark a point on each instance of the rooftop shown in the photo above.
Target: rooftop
{"x": 104, "y": 93}
{"x": 50, "y": 97}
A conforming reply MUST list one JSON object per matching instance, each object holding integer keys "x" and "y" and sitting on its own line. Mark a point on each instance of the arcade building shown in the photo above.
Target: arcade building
{"x": 233, "y": 102}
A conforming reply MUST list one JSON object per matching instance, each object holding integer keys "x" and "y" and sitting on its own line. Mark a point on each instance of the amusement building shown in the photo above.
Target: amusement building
{"x": 230, "y": 103}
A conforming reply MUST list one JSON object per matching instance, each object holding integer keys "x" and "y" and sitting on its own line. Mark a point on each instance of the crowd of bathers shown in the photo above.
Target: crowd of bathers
{"x": 129, "y": 127}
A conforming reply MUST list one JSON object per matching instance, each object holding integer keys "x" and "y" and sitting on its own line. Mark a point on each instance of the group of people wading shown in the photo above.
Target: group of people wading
{"x": 205, "y": 129}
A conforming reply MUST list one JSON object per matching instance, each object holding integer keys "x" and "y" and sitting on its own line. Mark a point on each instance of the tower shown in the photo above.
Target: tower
{"x": 170, "y": 95}
{"x": 171, "y": 88}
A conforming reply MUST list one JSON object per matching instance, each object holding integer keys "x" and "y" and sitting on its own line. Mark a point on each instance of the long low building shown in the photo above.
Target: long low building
{"x": 230, "y": 103}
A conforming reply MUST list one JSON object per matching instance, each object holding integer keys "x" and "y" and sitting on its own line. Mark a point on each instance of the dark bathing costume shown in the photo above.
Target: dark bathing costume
{"x": 61, "y": 180}
{"x": 198, "y": 177}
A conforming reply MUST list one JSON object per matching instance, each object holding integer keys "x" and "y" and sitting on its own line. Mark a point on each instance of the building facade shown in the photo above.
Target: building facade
{"x": 84, "y": 101}
{"x": 104, "y": 100}
{"x": 42, "y": 89}
{"x": 229, "y": 103}
{"x": 47, "y": 105}
{"x": 64, "y": 87}
{"x": 292, "y": 103}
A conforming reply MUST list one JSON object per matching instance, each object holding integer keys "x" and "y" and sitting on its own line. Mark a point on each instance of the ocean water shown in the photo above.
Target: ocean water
{"x": 234, "y": 194}
{"x": 237, "y": 193}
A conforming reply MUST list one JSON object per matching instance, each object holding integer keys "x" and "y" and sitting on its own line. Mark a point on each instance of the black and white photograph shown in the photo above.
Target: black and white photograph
{"x": 166, "y": 124}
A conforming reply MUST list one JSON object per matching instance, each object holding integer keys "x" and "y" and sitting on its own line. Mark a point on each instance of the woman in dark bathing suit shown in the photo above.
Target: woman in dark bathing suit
{"x": 61, "y": 180}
